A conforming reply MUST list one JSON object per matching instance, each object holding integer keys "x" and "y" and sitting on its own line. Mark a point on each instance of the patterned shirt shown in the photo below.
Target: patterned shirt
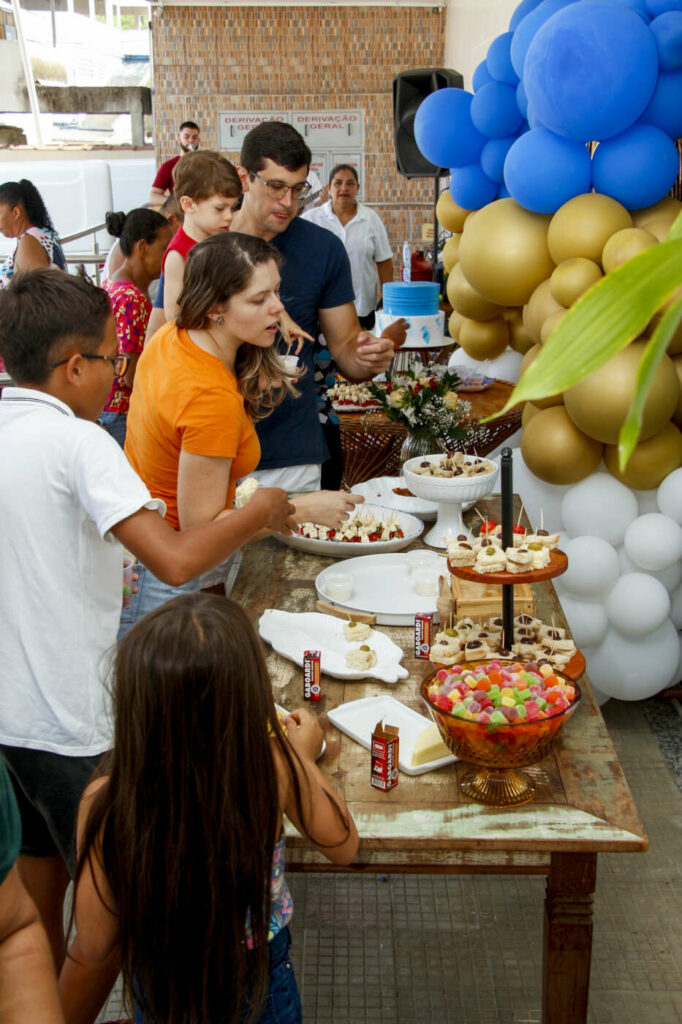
{"x": 131, "y": 309}
{"x": 281, "y": 903}
{"x": 50, "y": 243}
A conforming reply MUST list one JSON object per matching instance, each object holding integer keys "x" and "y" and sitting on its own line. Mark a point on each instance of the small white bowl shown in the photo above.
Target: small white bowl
{"x": 425, "y": 582}
{"x": 339, "y": 587}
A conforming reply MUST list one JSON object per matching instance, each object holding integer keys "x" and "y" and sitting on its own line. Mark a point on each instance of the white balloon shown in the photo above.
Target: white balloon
{"x": 638, "y": 604}
{"x": 504, "y": 367}
{"x": 599, "y": 506}
{"x": 587, "y": 620}
{"x": 647, "y": 501}
{"x": 593, "y": 567}
{"x": 669, "y": 496}
{"x": 542, "y": 501}
{"x": 654, "y": 541}
{"x": 677, "y": 678}
{"x": 676, "y": 608}
{"x": 670, "y": 577}
{"x": 626, "y": 563}
{"x": 632, "y": 669}
{"x": 601, "y": 698}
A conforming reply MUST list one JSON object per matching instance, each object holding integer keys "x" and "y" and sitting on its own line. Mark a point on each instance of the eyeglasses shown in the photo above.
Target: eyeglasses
{"x": 277, "y": 190}
{"x": 119, "y": 362}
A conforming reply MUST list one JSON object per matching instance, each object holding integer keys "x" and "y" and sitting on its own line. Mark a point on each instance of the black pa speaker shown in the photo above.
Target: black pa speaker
{"x": 409, "y": 89}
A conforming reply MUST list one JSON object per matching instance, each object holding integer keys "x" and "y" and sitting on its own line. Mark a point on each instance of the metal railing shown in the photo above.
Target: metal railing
{"x": 93, "y": 256}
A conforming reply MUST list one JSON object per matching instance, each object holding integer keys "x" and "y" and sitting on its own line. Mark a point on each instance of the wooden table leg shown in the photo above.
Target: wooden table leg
{"x": 567, "y": 945}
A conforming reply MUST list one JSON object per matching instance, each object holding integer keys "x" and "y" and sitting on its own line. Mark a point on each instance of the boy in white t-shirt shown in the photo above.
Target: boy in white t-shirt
{"x": 69, "y": 503}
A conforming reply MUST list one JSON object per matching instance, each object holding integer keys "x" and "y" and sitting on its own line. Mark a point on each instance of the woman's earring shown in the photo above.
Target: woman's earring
{"x": 219, "y": 321}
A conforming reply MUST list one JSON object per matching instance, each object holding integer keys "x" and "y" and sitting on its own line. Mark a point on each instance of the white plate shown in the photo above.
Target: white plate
{"x": 382, "y": 586}
{"x": 358, "y": 719}
{"x": 410, "y": 525}
{"x": 283, "y": 711}
{"x": 380, "y": 490}
{"x": 292, "y": 633}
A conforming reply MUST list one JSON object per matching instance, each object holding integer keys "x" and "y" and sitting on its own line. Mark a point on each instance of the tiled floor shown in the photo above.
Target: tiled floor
{"x": 421, "y": 949}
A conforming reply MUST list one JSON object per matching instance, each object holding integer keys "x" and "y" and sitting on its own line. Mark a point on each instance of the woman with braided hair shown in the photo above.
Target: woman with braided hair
{"x": 23, "y": 216}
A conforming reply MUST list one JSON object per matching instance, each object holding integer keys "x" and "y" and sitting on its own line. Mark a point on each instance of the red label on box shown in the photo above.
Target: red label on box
{"x": 423, "y": 622}
{"x": 312, "y": 690}
{"x": 384, "y": 750}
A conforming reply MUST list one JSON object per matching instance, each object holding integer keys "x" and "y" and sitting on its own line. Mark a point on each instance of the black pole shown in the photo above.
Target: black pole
{"x": 507, "y": 504}
{"x": 434, "y": 251}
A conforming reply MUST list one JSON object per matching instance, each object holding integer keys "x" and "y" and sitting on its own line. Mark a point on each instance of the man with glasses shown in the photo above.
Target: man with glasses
{"x": 317, "y": 290}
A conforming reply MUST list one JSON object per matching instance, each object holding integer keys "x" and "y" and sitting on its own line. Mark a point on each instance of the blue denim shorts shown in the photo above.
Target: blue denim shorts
{"x": 283, "y": 1002}
{"x": 151, "y": 593}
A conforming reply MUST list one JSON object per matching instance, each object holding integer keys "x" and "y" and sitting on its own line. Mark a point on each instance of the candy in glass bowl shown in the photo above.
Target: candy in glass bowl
{"x": 500, "y": 716}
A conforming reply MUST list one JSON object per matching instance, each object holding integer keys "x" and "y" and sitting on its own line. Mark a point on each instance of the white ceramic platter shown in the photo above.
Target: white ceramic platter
{"x": 380, "y": 490}
{"x": 383, "y": 586}
{"x": 292, "y": 633}
{"x": 358, "y": 719}
{"x": 410, "y": 525}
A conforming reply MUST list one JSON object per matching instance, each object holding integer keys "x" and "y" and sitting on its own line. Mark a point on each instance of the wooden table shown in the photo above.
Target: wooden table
{"x": 582, "y": 806}
{"x": 371, "y": 442}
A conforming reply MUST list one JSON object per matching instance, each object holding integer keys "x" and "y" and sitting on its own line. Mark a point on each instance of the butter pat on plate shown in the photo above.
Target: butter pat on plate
{"x": 429, "y": 746}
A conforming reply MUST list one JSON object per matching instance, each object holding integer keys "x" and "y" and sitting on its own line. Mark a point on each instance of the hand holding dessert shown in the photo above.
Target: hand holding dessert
{"x": 304, "y": 733}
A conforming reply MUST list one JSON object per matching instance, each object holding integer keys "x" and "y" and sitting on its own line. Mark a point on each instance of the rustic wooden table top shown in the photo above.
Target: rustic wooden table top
{"x": 582, "y": 803}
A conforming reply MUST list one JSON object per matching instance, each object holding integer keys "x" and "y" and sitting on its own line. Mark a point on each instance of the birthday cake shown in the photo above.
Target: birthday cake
{"x": 417, "y": 302}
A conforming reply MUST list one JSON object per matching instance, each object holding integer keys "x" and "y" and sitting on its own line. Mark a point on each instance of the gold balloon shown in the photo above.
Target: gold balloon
{"x": 519, "y": 338}
{"x": 450, "y": 252}
{"x": 555, "y": 450}
{"x": 484, "y": 340}
{"x": 659, "y": 228}
{"x": 677, "y": 415}
{"x": 455, "y": 322}
{"x": 667, "y": 208}
{"x": 466, "y": 300}
{"x": 529, "y": 411}
{"x": 623, "y": 245}
{"x": 530, "y": 357}
{"x": 503, "y": 252}
{"x": 599, "y": 403}
{"x": 449, "y": 214}
{"x": 582, "y": 226}
{"x": 572, "y": 278}
{"x": 540, "y": 305}
{"x": 552, "y": 321}
{"x": 651, "y": 461}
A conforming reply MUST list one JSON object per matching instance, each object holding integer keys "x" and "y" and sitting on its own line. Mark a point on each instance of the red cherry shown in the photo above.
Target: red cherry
{"x": 518, "y": 529}
{"x": 488, "y": 526}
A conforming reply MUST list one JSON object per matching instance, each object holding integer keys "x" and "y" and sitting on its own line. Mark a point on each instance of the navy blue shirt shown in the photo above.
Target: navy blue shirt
{"x": 315, "y": 275}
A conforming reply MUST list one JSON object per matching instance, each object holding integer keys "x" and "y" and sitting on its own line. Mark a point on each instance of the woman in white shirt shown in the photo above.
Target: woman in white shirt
{"x": 363, "y": 234}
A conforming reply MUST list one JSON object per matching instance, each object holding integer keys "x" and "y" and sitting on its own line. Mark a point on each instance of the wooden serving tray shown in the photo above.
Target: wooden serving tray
{"x": 558, "y": 563}
{"x": 484, "y": 600}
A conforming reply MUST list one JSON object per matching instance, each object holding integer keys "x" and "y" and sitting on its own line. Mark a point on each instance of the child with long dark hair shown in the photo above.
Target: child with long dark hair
{"x": 181, "y": 841}
{"x": 24, "y": 216}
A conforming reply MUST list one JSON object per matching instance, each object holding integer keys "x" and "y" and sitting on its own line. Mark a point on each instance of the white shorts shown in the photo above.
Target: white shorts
{"x": 292, "y": 479}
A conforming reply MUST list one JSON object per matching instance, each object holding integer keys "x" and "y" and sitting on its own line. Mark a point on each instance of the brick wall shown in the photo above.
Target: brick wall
{"x": 209, "y": 59}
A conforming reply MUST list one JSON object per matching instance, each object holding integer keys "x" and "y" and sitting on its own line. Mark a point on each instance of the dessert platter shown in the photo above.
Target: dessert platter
{"x": 451, "y": 480}
{"x": 349, "y": 650}
{"x": 421, "y": 747}
{"x": 500, "y": 718}
{"x": 392, "y": 492}
{"x": 531, "y": 557}
{"x": 391, "y": 587}
{"x": 471, "y": 379}
{"x": 369, "y": 529}
{"x": 346, "y": 396}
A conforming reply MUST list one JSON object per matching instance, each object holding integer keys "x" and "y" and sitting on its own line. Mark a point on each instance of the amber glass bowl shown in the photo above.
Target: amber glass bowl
{"x": 499, "y": 750}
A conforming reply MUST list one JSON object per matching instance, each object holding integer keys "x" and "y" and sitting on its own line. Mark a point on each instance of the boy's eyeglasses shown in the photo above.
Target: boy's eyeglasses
{"x": 119, "y": 362}
{"x": 277, "y": 190}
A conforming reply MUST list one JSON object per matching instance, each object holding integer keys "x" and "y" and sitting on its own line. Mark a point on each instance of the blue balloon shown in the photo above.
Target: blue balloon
{"x": 637, "y": 167}
{"x": 521, "y": 99}
{"x": 499, "y": 60}
{"x": 638, "y": 6}
{"x": 525, "y": 31}
{"x": 504, "y": 193}
{"x": 543, "y": 171}
{"x": 471, "y": 188}
{"x": 667, "y": 31}
{"x": 524, "y": 8}
{"x": 494, "y": 110}
{"x": 493, "y": 156}
{"x": 591, "y": 70}
{"x": 665, "y": 109}
{"x": 443, "y": 129}
{"x": 481, "y": 76}
{"x": 656, "y": 7}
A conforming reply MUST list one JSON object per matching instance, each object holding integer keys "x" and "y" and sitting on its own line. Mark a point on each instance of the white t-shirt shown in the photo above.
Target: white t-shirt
{"x": 366, "y": 242}
{"x": 64, "y": 482}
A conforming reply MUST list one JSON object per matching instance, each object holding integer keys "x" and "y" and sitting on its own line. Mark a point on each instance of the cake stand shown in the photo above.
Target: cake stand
{"x": 450, "y": 493}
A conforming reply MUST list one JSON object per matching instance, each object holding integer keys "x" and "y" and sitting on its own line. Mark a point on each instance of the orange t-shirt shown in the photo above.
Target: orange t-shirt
{"x": 185, "y": 399}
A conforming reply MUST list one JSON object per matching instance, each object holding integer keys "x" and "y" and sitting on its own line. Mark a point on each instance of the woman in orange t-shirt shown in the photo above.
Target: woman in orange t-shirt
{"x": 200, "y": 383}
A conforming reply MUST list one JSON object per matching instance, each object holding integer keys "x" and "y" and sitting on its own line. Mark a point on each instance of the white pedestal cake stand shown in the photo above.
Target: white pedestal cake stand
{"x": 450, "y": 493}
